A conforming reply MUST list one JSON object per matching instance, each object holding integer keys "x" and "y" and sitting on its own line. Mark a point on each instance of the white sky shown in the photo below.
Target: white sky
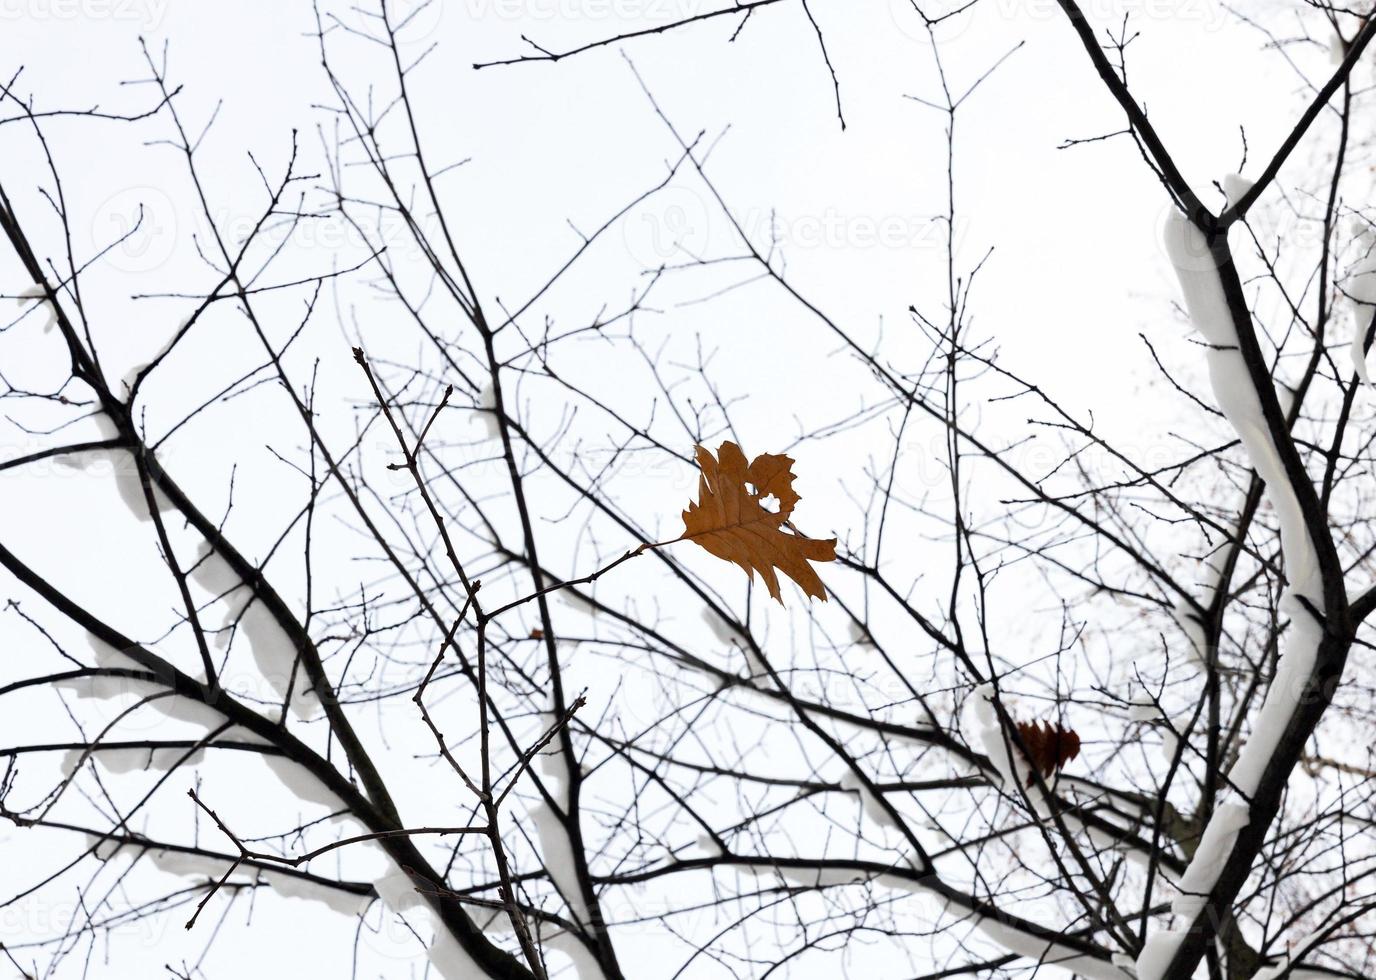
{"x": 1076, "y": 273}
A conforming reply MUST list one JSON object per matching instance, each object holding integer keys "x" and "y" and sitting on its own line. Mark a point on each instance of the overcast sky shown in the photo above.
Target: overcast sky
{"x": 554, "y": 149}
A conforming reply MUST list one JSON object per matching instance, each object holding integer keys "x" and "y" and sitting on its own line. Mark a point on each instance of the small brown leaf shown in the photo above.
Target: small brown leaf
{"x": 1049, "y": 747}
{"x": 537, "y": 634}
{"x": 729, "y": 519}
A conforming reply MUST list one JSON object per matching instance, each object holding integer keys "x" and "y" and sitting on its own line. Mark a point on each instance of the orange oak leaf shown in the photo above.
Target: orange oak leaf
{"x": 730, "y": 519}
{"x": 1049, "y": 747}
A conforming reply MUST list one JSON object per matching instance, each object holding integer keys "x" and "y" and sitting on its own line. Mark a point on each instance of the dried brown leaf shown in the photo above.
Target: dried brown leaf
{"x": 729, "y": 519}
{"x": 1049, "y": 747}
